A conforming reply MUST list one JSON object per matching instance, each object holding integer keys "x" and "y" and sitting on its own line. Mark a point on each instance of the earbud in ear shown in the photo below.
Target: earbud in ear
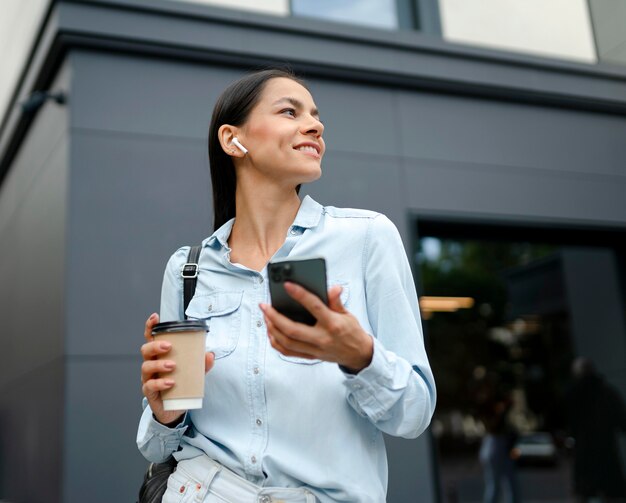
{"x": 238, "y": 144}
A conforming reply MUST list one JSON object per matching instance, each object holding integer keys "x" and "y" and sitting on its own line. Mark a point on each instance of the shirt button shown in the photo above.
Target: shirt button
{"x": 357, "y": 386}
{"x": 261, "y": 279}
{"x": 253, "y": 459}
{"x": 256, "y": 370}
{"x": 265, "y": 499}
{"x": 259, "y": 422}
{"x": 259, "y": 323}
{"x": 210, "y": 308}
{"x": 293, "y": 232}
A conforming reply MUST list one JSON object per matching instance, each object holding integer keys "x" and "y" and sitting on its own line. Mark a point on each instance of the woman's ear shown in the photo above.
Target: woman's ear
{"x": 225, "y": 134}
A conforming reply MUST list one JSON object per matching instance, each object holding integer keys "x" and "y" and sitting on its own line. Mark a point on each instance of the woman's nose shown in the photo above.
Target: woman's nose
{"x": 313, "y": 126}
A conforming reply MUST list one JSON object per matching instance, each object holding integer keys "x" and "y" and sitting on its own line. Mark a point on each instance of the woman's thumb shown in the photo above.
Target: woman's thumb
{"x": 334, "y": 299}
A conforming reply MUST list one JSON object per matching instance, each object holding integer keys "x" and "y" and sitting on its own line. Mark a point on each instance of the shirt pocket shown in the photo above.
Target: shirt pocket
{"x": 344, "y": 296}
{"x": 221, "y": 311}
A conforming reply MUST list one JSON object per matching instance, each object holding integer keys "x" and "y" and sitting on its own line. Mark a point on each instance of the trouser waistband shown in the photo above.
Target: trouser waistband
{"x": 210, "y": 480}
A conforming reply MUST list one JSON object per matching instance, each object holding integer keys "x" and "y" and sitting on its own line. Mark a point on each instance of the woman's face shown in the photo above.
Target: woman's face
{"x": 283, "y": 134}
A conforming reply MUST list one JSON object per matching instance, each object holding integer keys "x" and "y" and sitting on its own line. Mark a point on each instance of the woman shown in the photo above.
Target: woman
{"x": 292, "y": 412}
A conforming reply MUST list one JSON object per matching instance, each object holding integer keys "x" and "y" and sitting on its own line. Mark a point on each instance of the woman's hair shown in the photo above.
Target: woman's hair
{"x": 233, "y": 107}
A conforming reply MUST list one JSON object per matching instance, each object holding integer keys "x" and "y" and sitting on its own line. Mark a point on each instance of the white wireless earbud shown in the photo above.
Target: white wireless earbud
{"x": 238, "y": 144}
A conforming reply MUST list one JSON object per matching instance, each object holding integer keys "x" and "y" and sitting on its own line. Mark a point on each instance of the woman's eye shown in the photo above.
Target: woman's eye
{"x": 289, "y": 111}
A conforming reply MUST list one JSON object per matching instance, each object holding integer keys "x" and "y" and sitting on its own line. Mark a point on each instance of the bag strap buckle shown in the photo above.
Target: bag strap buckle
{"x": 189, "y": 271}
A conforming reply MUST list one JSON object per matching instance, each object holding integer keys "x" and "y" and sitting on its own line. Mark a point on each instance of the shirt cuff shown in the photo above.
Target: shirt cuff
{"x": 157, "y": 441}
{"x": 376, "y": 388}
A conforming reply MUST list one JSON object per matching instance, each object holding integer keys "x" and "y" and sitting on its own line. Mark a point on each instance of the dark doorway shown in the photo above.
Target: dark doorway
{"x": 502, "y": 314}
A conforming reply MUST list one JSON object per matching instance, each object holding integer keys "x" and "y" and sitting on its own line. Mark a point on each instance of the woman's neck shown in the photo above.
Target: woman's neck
{"x": 264, "y": 215}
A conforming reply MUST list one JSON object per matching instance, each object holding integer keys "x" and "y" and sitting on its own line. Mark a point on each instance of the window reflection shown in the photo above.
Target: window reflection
{"x": 373, "y": 13}
{"x": 502, "y": 365}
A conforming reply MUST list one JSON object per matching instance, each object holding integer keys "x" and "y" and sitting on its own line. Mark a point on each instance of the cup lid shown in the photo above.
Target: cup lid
{"x": 179, "y": 326}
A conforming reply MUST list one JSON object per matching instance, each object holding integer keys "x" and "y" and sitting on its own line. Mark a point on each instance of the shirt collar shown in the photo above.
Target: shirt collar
{"x": 308, "y": 216}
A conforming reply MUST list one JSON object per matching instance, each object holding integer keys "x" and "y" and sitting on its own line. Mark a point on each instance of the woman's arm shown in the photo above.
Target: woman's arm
{"x": 388, "y": 377}
{"x": 397, "y": 390}
{"x": 160, "y": 431}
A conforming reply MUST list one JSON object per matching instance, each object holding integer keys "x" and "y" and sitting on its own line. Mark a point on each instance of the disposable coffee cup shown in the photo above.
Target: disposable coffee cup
{"x": 188, "y": 349}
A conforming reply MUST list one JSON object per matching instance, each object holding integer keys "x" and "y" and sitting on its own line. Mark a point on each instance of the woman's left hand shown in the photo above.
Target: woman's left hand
{"x": 336, "y": 337}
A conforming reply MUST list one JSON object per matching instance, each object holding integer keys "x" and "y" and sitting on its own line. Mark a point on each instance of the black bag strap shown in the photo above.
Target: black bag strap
{"x": 190, "y": 275}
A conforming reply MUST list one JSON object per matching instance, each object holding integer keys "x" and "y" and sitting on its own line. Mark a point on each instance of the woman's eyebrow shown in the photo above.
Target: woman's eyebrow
{"x": 297, "y": 104}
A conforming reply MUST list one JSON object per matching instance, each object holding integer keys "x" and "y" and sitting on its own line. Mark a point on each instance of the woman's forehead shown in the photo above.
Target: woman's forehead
{"x": 280, "y": 87}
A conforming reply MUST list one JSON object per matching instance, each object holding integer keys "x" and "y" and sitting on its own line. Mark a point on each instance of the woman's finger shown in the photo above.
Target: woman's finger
{"x": 153, "y": 349}
{"x": 294, "y": 330}
{"x": 209, "y": 360}
{"x": 334, "y": 299}
{"x": 153, "y": 386}
{"x": 150, "y": 368}
{"x": 287, "y": 345}
{"x": 284, "y": 351}
{"x": 150, "y": 322}
{"x": 311, "y": 302}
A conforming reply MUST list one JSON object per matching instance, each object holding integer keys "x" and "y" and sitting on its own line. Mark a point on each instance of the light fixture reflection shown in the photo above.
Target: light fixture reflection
{"x": 429, "y": 305}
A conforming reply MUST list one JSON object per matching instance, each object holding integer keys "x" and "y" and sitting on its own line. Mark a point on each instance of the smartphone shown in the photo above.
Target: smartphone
{"x": 309, "y": 273}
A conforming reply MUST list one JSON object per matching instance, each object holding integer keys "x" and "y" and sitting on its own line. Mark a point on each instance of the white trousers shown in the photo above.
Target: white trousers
{"x": 202, "y": 480}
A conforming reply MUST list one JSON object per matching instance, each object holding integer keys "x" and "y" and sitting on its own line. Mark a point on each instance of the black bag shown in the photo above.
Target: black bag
{"x": 155, "y": 480}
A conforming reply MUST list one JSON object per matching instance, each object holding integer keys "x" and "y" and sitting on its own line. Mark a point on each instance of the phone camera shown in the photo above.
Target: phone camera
{"x": 287, "y": 271}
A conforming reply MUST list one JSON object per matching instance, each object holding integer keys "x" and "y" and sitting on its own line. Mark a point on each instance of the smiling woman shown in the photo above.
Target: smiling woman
{"x": 292, "y": 412}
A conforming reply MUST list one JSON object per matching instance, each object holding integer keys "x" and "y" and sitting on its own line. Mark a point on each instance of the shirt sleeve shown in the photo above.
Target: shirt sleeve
{"x": 156, "y": 441}
{"x": 396, "y": 392}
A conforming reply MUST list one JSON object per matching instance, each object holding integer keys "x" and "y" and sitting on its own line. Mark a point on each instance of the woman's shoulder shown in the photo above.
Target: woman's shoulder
{"x": 373, "y": 221}
{"x": 335, "y": 212}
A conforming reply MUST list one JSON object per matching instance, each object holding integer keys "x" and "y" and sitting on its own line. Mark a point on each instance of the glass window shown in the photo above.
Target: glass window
{"x": 373, "y": 13}
{"x": 508, "y": 316}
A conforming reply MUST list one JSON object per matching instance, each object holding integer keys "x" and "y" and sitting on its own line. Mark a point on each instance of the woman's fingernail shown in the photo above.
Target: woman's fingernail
{"x": 165, "y": 345}
{"x": 169, "y": 365}
{"x": 168, "y": 382}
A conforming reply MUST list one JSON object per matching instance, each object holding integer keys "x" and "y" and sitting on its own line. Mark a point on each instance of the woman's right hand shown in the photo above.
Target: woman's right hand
{"x": 153, "y": 373}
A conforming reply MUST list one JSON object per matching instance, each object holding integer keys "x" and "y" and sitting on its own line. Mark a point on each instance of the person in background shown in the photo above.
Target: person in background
{"x": 597, "y": 415}
{"x": 493, "y": 403}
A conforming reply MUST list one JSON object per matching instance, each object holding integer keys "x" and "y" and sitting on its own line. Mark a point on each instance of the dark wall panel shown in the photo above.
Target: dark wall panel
{"x": 135, "y": 200}
{"x": 508, "y": 135}
{"x": 360, "y": 180}
{"x": 32, "y": 294}
{"x": 103, "y": 409}
{"x": 499, "y": 191}
{"x": 146, "y": 96}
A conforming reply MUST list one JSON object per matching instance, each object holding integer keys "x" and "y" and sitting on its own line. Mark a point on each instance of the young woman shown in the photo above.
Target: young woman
{"x": 291, "y": 412}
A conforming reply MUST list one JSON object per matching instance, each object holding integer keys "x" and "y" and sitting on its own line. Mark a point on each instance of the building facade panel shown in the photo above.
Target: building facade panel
{"x": 100, "y": 464}
{"x": 135, "y": 200}
{"x": 496, "y": 190}
{"x": 32, "y": 294}
{"x": 516, "y": 135}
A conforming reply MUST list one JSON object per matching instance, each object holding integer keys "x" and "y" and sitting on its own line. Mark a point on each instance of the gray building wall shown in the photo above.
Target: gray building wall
{"x": 33, "y": 230}
{"x": 98, "y": 194}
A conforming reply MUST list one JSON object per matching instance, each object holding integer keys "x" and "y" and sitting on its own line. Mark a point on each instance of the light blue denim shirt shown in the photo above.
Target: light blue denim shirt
{"x": 283, "y": 421}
